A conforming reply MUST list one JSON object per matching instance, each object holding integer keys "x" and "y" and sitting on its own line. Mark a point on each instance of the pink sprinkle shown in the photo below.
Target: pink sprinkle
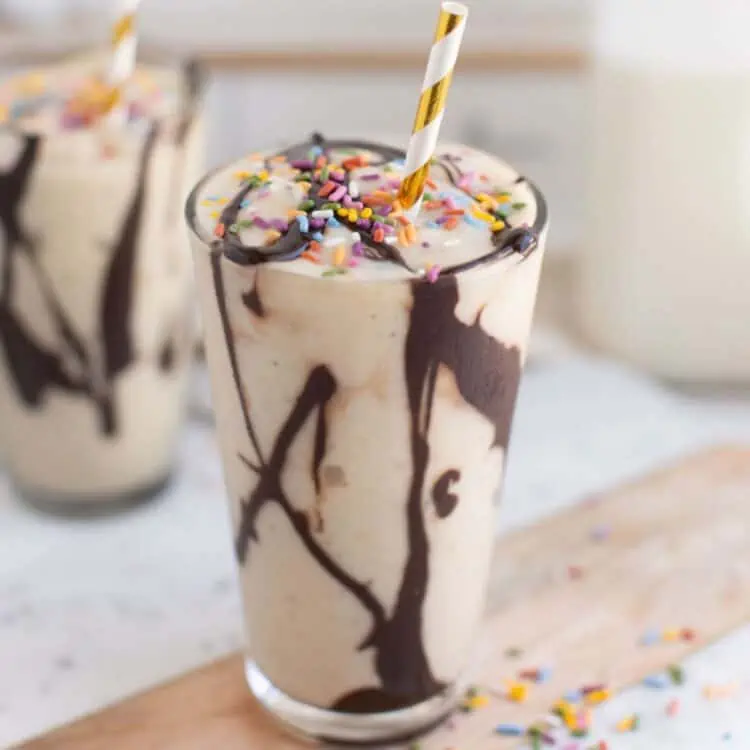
{"x": 464, "y": 183}
{"x": 395, "y": 184}
{"x": 348, "y": 202}
{"x": 353, "y": 262}
{"x": 433, "y": 274}
{"x": 358, "y": 249}
{"x": 450, "y": 204}
{"x": 338, "y": 194}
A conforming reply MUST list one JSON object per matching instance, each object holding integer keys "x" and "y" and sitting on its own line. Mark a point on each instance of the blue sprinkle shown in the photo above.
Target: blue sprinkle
{"x": 657, "y": 681}
{"x": 651, "y": 637}
{"x": 315, "y": 152}
{"x": 333, "y": 223}
{"x": 510, "y": 730}
{"x": 543, "y": 674}
{"x": 318, "y": 236}
{"x": 399, "y": 162}
{"x": 304, "y": 223}
{"x": 245, "y": 203}
{"x": 573, "y": 696}
{"x": 432, "y": 225}
{"x": 726, "y": 737}
{"x": 474, "y": 222}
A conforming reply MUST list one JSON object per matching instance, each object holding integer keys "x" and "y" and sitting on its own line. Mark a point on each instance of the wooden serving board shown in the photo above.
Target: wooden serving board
{"x": 678, "y": 555}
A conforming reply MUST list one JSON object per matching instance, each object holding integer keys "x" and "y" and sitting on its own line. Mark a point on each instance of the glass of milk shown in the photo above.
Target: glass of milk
{"x": 665, "y": 278}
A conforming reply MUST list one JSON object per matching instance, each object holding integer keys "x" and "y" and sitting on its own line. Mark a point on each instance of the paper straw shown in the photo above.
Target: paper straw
{"x": 437, "y": 81}
{"x": 124, "y": 48}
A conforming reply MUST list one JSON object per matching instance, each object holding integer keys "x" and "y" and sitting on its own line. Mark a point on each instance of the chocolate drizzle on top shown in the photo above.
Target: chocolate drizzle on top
{"x": 293, "y": 242}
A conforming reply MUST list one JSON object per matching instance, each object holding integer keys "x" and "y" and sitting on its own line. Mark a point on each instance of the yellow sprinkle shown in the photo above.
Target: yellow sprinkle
{"x": 504, "y": 198}
{"x": 343, "y": 212}
{"x": 598, "y": 696}
{"x": 476, "y": 702}
{"x": 272, "y": 235}
{"x": 397, "y": 207}
{"x": 484, "y": 198}
{"x": 242, "y": 175}
{"x": 293, "y": 213}
{"x": 366, "y": 213}
{"x": 339, "y": 256}
{"x": 255, "y": 156}
{"x": 263, "y": 175}
{"x": 403, "y": 240}
{"x": 214, "y": 214}
{"x": 498, "y": 225}
{"x": 518, "y": 692}
{"x": 33, "y": 83}
{"x": 626, "y": 725}
{"x": 483, "y": 215}
{"x": 4, "y": 113}
{"x": 672, "y": 634}
{"x": 223, "y": 201}
{"x": 352, "y": 215}
{"x": 304, "y": 187}
{"x": 207, "y": 202}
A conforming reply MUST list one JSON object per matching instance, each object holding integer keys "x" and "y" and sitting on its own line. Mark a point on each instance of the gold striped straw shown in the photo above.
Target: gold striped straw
{"x": 437, "y": 81}
{"x": 124, "y": 48}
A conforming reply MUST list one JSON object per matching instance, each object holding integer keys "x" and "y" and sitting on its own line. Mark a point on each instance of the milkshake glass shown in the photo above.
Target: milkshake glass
{"x": 95, "y": 282}
{"x": 364, "y": 373}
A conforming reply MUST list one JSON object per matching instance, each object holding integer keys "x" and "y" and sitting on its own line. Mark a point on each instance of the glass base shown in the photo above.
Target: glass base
{"x": 333, "y": 727}
{"x": 93, "y": 506}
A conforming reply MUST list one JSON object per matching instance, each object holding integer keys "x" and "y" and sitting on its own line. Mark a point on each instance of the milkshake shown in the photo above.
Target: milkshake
{"x": 95, "y": 281}
{"x": 364, "y": 373}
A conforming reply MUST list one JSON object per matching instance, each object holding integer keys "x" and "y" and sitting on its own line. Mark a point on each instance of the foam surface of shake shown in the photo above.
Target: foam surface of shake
{"x": 331, "y": 209}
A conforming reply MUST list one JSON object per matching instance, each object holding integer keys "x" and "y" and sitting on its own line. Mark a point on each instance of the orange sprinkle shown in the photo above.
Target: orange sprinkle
{"x": 397, "y": 207}
{"x": 378, "y": 235}
{"x": 404, "y": 221}
{"x": 433, "y": 205}
{"x": 431, "y": 183}
{"x": 403, "y": 240}
{"x": 411, "y": 233}
{"x": 321, "y": 161}
{"x": 220, "y": 230}
{"x": 278, "y": 159}
{"x": 339, "y": 255}
{"x": 354, "y": 162}
{"x": 455, "y": 212}
{"x": 307, "y": 255}
{"x": 314, "y": 247}
{"x": 452, "y": 223}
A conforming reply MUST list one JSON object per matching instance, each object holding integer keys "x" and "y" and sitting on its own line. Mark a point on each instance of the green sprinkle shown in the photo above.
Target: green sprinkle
{"x": 324, "y": 173}
{"x": 676, "y": 674}
{"x": 244, "y": 224}
{"x": 331, "y": 206}
{"x": 536, "y": 742}
{"x": 636, "y": 723}
{"x": 518, "y": 206}
{"x": 429, "y": 197}
{"x": 334, "y": 272}
{"x": 306, "y": 205}
{"x": 303, "y": 177}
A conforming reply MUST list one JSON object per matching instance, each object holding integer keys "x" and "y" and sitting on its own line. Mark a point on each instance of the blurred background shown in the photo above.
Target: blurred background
{"x": 633, "y": 119}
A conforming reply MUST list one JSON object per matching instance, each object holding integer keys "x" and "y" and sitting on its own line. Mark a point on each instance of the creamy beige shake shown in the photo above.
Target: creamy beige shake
{"x": 95, "y": 280}
{"x": 365, "y": 371}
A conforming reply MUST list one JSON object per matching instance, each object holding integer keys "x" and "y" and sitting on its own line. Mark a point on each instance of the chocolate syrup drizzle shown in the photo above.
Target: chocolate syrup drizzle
{"x": 88, "y": 370}
{"x": 293, "y": 242}
{"x": 486, "y": 373}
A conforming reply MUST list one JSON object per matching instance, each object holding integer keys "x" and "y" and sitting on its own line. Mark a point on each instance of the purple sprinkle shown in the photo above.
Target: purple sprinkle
{"x": 303, "y": 164}
{"x": 433, "y": 274}
{"x": 280, "y": 225}
{"x": 358, "y": 249}
{"x": 364, "y": 223}
{"x": 385, "y": 210}
{"x": 389, "y": 229}
{"x": 369, "y": 177}
{"x": 377, "y": 225}
{"x": 337, "y": 175}
{"x": 262, "y": 223}
{"x": 441, "y": 220}
{"x": 394, "y": 184}
{"x": 337, "y": 194}
{"x": 317, "y": 223}
{"x": 425, "y": 245}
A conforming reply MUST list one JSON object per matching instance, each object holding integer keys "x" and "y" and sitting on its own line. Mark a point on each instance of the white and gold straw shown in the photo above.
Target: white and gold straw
{"x": 124, "y": 49}
{"x": 437, "y": 81}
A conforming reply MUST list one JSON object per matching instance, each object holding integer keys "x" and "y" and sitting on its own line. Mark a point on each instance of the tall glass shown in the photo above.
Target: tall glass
{"x": 363, "y": 423}
{"x": 95, "y": 288}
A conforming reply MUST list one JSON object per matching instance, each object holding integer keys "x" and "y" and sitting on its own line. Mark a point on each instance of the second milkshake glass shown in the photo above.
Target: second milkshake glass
{"x": 363, "y": 426}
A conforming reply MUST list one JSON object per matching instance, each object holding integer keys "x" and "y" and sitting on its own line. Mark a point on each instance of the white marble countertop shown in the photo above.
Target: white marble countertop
{"x": 92, "y": 611}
